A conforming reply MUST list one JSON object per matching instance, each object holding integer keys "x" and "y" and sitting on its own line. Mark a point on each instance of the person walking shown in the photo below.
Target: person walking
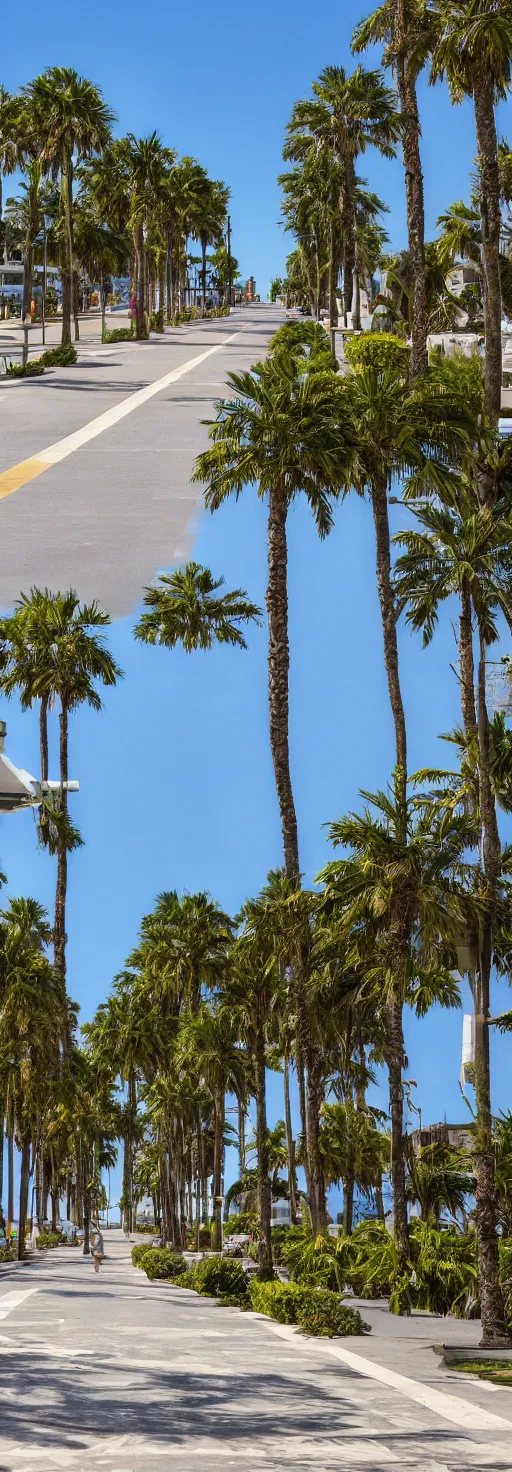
{"x": 97, "y": 1249}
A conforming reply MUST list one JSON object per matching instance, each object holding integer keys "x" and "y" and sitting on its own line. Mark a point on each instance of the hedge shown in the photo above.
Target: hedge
{"x": 59, "y": 357}
{"x": 162, "y": 1262}
{"x": 218, "y": 1277}
{"x": 117, "y": 334}
{"x": 317, "y": 1311}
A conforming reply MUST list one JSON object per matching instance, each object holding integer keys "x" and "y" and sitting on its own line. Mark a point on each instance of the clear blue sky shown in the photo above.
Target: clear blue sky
{"x": 176, "y": 778}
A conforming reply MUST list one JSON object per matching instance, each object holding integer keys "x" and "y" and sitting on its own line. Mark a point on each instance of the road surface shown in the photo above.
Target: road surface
{"x": 115, "y": 1373}
{"x": 95, "y": 459}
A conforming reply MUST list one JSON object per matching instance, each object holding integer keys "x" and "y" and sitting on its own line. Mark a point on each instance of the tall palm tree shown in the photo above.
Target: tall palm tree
{"x": 406, "y": 29}
{"x": 54, "y": 649}
{"x": 209, "y": 1039}
{"x": 347, "y": 115}
{"x": 400, "y": 429}
{"x": 26, "y": 213}
{"x": 70, "y": 121}
{"x": 400, "y": 907}
{"x": 473, "y": 51}
{"x": 210, "y": 217}
{"x": 184, "y": 607}
{"x": 464, "y": 547}
{"x": 9, "y": 146}
{"x": 282, "y": 434}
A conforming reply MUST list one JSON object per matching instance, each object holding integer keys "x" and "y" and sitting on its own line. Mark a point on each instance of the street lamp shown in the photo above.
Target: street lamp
{"x": 18, "y": 789}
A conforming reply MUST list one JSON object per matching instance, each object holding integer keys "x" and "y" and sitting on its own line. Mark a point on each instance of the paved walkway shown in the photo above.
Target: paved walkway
{"x": 95, "y": 459}
{"x": 116, "y": 1373}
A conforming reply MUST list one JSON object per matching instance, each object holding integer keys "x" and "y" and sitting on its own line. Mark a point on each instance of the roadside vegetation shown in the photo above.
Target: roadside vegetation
{"x": 104, "y": 207}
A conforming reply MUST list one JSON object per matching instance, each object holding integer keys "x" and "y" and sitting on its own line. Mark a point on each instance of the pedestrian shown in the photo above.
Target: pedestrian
{"x": 97, "y": 1249}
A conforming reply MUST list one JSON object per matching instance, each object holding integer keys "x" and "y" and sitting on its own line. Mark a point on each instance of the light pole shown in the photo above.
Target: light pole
{"x": 229, "y": 260}
{"x": 18, "y": 789}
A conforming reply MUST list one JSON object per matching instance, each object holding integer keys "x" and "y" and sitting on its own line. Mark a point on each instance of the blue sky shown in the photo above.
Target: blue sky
{"x": 176, "y": 777}
{"x": 220, "y": 86}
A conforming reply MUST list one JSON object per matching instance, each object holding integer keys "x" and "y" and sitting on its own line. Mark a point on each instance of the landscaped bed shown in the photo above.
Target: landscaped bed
{"x": 498, "y": 1372}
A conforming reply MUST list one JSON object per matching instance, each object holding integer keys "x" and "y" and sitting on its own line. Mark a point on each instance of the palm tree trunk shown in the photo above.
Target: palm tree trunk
{"x": 217, "y": 1166}
{"x": 66, "y": 189}
{"x": 356, "y": 298}
{"x": 316, "y": 1177}
{"x": 10, "y": 1176}
{"x": 414, "y": 198}
{"x": 396, "y": 1101}
{"x": 494, "y": 1329}
{"x": 28, "y": 276}
{"x": 348, "y": 1202}
{"x": 264, "y": 1189}
{"x": 132, "y": 1111}
{"x": 379, "y": 1202}
{"x": 140, "y": 316}
{"x": 290, "y": 1142}
{"x": 43, "y": 758}
{"x": 466, "y": 662}
{"x": 349, "y": 235}
{"x": 241, "y": 1135}
{"x": 86, "y": 1224}
{"x": 278, "y": 672}
{"x": 24, "y": 1183}
{"x": 203, "y": 272}
{"x": 59, "y": 932}
{"x": 333, "y": 306}
{"x": 388, "y": 617}
{"x": 483, "y": 97}
{"x": 2, "y": 1137}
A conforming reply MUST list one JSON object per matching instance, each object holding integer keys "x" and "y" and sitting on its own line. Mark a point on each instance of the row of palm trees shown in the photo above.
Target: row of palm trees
{"x": 328, "y": 206}
{"x": 107, "y": 205}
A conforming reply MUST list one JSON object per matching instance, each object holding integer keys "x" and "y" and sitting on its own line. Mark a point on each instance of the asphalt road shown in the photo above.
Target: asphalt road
{"x": 103, "y": 513}
{"x": 113, "y": 1372}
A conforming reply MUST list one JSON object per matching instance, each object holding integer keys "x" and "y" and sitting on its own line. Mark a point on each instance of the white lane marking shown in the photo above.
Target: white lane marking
{"x": 451, "y": 1407}
{"x": 54, "y": 453}
{"x": 8, "y": 1301}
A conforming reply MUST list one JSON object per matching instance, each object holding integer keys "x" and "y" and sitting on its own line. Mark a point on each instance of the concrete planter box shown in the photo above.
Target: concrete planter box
{"x": 454, "y": 1354}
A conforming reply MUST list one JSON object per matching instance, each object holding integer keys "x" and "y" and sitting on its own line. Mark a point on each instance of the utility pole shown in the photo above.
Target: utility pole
{"x": 229, "y": 260}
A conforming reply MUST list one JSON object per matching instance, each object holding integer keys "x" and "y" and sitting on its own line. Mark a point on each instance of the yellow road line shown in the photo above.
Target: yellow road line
{"x": 27, "y": 470}
{"x": 19, "y": 475}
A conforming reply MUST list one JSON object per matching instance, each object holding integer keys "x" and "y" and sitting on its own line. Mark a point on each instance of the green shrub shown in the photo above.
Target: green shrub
{"x": 50, "y": 1239}
{"x": 59, "y": 357}
{"x": 147, "y": 1229}
{"x": 278, "y": 1300}
{"x": 240, "y": 1221}
{"x": 307, "y": 336}
{"x": 205, "y": 1238}
{"x": 235, "y": 1300}
{"x": 139, "y": 1252}
{"x": 322, "y": 1313}
{"x": 117, "y": 334}
{"x": 162, "y": 1262}
{"x": 378, "y": 350}
{"x": 216, "y": 1277}
{"x": 32, "y": 369}
{"x": 156, "y": 322}
{"x": 316, "y": 1310}
{"x": 8, "y": 1252}
{"x": 320, "y": 1261}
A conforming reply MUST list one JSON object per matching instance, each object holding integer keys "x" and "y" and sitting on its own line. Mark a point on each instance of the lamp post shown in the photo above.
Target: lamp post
{"x": 229, "y": 260}
{"x": 18, "y": 789}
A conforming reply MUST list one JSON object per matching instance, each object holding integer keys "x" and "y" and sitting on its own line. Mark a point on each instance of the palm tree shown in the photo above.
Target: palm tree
{"x": 473, "y": 51}
{"x": 464, "y": 547}
{"x": 354, "y": 1151}
{"x": 26, "y": 213}
{"x": 145, "y": 163}
{"x": 208, "y": 1040}
{"x": 439, "y": 1178}
{"x": 400, "y": 908}
{"x": 399, "y": 428}
{"x": 210, "y": 220}
{"x": 9, "y": 149}
{"x": 406, "y": 30}
{"x": 54, "y": 649}
{"x": 99, "y": 250}
{"x": 69, "y": 121}
{"x": 281, "y": 434}
{"x": 184, "y": 607}
{"x": 347, "y": 115}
